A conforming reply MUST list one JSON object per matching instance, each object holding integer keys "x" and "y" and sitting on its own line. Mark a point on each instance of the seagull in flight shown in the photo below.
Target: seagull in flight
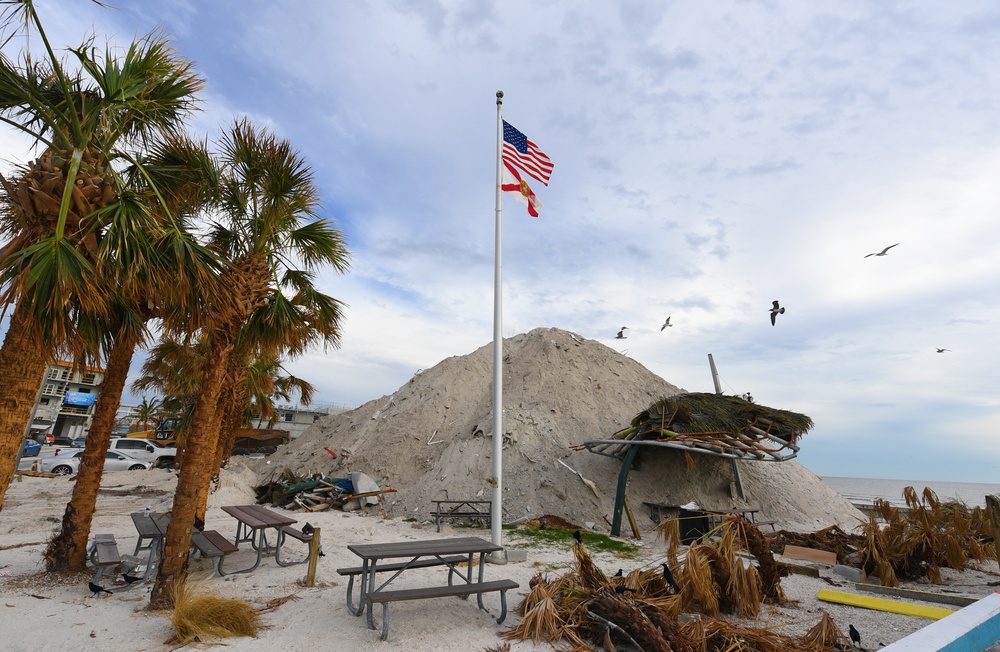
{"x": 621, "y": 334}
{"x": 883, "y": 252}
{"x": 942, "y": 350}
{"x": 776, "y": 310}
{"x": 666, "y": 324}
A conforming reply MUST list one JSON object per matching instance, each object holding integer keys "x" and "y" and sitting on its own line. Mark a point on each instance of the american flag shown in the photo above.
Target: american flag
{"x": 523, "y": 153}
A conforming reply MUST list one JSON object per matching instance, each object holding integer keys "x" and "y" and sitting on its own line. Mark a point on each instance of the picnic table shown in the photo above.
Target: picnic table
{"x": 457, "y": 554}
{"x": 152, "y": 529}
{"x": 253, "y": 523}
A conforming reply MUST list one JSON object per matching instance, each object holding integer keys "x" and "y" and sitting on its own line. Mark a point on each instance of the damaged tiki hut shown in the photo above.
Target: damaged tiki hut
{"x": 711, "y": 424}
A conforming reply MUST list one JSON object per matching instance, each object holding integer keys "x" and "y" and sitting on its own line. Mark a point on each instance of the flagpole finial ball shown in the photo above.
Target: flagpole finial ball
{"x": 499, "y": 95}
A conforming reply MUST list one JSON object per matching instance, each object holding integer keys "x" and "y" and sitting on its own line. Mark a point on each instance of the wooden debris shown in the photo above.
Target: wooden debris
{"x": 314, "y": 494}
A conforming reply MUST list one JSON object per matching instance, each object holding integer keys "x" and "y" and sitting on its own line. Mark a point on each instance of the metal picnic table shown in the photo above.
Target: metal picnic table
{"x": 450, "y": 552}
{"x": 253, "y": 522}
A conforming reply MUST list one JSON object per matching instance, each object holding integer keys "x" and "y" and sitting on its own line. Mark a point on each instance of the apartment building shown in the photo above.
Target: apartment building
{"x": 66, "y": 398}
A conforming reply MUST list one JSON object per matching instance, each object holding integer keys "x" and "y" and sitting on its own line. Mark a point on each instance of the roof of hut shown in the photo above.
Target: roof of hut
{"x": 715, "y": 424}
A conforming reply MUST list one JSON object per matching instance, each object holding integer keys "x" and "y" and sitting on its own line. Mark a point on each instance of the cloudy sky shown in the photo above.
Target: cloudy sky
{"x": 709, "y": 159}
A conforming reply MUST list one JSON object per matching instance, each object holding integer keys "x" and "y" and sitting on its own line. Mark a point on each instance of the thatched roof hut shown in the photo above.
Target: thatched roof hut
{"x": 715, "y": 424}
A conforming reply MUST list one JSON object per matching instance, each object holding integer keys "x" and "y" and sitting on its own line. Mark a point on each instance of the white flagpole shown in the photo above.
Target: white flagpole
{"x": 496, "y": 521}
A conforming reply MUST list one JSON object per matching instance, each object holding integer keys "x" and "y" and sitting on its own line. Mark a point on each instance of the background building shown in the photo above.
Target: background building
{"x": 66, "y": 398}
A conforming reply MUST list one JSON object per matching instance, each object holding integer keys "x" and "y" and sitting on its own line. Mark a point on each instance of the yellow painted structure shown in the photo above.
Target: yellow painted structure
{"x": 881, "y": 604}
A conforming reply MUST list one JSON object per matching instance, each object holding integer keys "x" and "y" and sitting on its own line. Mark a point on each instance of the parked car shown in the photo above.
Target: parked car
{"x": 68, "y": 462}
{"x": 62, "y": 441}
{"x": 145, "y": 449}
{"x": 79, "y": 442}
{"x": 31, "y": 448}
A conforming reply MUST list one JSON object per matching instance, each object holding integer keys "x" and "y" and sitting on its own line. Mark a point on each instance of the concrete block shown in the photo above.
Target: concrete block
{"x": 849, "y": 573}
{"x": 514, "y": 556}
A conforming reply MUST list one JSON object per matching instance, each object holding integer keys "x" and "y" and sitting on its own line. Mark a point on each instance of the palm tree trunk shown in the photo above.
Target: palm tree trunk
{"x": 232, "y": 419}
{"x": 196, "y": 469}
{"x": 23, "y": 358}
{"x": 68, "y": 549}
{"x": 204, "y": 490}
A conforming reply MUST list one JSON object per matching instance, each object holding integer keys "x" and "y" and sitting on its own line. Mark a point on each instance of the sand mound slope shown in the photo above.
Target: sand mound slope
{"x": 432, "y": 439}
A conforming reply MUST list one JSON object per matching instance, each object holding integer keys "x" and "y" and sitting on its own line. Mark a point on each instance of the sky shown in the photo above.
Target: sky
{"x": 710, "y": 158}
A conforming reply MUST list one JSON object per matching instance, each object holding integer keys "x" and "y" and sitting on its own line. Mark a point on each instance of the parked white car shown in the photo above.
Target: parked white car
{"x": 143, "y": 449}
{"x": 68, "y": 462}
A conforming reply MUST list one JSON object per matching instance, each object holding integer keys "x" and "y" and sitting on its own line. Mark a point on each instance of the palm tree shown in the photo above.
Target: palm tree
{"x": 179, "y": 276}
{"x": 71, "y": 222}
{"x": 147, "y": 411}
{"x": 270, "y": 236}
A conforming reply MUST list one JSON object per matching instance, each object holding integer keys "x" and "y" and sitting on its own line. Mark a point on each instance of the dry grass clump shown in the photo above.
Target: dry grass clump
{"x": 202, "y": 616}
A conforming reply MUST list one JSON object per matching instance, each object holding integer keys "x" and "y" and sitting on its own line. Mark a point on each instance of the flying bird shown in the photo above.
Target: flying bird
{"x": 669, "y": 578}
{"x": 776, "y": 310}
{"x": 96, "y": 589}
{"x": 943, "y": 350}
{"x": 666, "y": 324}
{"x": 855, "y": 635}
{"x": 621, "y": 334}
{"x": 883, "y": 252}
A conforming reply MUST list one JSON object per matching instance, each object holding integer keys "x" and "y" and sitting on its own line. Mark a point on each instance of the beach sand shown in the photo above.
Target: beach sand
{"x": 39, "y": 611}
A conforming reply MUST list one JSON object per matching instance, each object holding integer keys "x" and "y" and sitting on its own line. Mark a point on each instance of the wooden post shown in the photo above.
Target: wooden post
{"x": 313, "y": 557}
{"x": 631, "y": 520}
{"x": 993, "y": 506}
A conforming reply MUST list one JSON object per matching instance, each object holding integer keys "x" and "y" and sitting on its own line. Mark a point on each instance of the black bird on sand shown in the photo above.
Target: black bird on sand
{"x": 578, "y": 537}
{"x": 666, "y": 324}
{"x": 621, "y": 334}
{"x": 855, "y": 635}
{"x": 669, "y": 578}
{"x": 130, "y": 579}
{"x": 308, "y": 529}
{"x": 620, "y": 573}
{"x": 623, "y": 589}
{"x": 96, "y": 589}
{"x": 776, "y": 310}
{"x": 883, "y": 252}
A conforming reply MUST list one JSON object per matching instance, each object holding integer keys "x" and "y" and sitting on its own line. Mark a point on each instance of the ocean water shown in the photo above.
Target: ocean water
{"x": 866, "y": 490}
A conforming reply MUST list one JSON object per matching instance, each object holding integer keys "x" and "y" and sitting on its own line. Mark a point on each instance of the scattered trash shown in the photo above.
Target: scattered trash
{"x": 315, "y": 493}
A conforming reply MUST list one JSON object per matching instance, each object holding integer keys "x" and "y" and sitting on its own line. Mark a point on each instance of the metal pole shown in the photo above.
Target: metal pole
{"x": 496, "y": 520}
{"x": 732, "y": 461}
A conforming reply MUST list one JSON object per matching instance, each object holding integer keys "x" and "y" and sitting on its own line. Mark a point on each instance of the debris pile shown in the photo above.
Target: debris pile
{"x": 317, "y": 493}
{"x": 648, "y": 609}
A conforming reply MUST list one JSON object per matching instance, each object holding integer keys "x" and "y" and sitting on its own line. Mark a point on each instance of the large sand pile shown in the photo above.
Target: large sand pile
{"x": 431, "y": 439}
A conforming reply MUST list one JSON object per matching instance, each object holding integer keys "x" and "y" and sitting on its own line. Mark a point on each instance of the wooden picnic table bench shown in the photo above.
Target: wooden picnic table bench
{"x": 210, "y": 544}
{"x": 353, "y": 571}
{"x": 461, "y": 590}
{"x": 471, "y": 509}
{"x": 104, "y": 554}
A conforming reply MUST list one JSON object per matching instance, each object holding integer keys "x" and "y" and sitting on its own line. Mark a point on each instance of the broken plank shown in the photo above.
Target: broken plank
{"x": 810, "y": 554}
{"x": 912, "y": 594}
{"x": 881, "y": 604}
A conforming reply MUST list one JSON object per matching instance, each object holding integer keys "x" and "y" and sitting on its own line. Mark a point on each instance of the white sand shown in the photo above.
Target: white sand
{"x": 38, "y": 612}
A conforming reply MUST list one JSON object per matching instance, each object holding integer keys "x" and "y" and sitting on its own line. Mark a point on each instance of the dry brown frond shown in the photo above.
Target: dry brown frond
{"x": 503, "y": 647}
{"x": 273, "y": 604}
{"x": 744, "y": 586}
{"x": 590, "y": 574}
{"x": 201, "y": 616}
{"x": 698, "y": 588}
{"x": 824, "y": 634}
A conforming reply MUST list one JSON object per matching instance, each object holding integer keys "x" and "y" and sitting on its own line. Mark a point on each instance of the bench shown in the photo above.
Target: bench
{"x": 212, "y": 545}
{"x": 461, "y": 590}
{"x": 295, "y": 533}
{"x": 472, "y": 509}
{"x": 104, "y": 554}
{"x": 353, "y": 571}
{"x": 147, "y": 530}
